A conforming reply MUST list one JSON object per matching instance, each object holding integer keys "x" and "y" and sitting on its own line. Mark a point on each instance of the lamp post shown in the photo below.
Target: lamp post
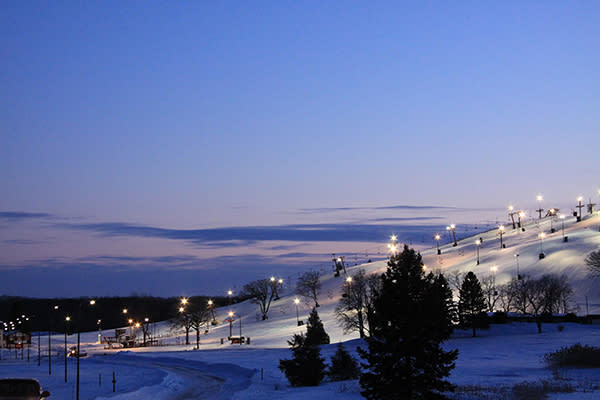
{"x": 541, "y": 236}
{"x": 521, "y": 216}
{"x": 348, "y": 283}
{"x": 78, "y": 355}
{"x": 501, "y": 233}
{"x": 478, "y": 243}
{"x": 552, "y": 213}
{"x": 511, "y": 214}
{"x": 518, "y": 275}
{"x": 230, "y": 323}
{"x": 579, "y": 205}
{"x": 212, "y": 313}
{"x": 67, "y": 319}
{"x": 229, "y": 294}
{"x": 494, "y": 269}
{"x": 99, "y": 323}
{"x": 393, "y": 245}
{"x": 296, "y": 302}
{"x": 437, "y": 242}
{"x": 50, "y": 342}
{"x": 562, "y": 220}
{"x": 539, "y": 199}
{"x": 452, "y": 228}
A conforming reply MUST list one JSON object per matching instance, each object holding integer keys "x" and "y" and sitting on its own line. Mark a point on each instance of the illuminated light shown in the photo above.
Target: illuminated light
{"x": 494, "y": 269}
{"x": 184, "y": 301}
{"x": 230, "y": 313}
{"x": 510, "y": 208}
{"x": 210, "y": 302}
{"x": 229, "y": 292}
{"x": 349, "y": 279}
{"x": 296, "y": 301}
{"x": 272, "y": 279}
{"x": 92, "y": 302}
{"x": 146, "y": 319}
{"x": 124, "y": 311}
{"x": 67, "y": 318}
{"x": 181, "y": 309}
{"x": 437, "y": 237}
{"x": 539, "y": 197}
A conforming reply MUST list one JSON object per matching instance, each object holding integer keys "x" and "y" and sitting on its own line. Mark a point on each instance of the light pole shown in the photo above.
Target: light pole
{"x": 539, "y": 199}
{"x": 230, "y": 324}
{"x": 348, "y": 283}
{"x": 50, "y": 342}
{"x": 67, "y": 319}
{"x": 518, "y": 275}
{"x": 521, "y": 216}
{"x": 562, "y": 220}
{"x": 78, "y": 355}
{"x": 212, "y": 312}
{"x": 511, "y": 214}
{"x": 541, "y": 236}
{"x": 296, "y": 302}
{"x": 452, "y": 228}
{"x": 494, "y": 269}
{"x": 437, "y": 242}
{"x": 580, "y": 206}
{"x": 393, "y": 245}
{"x": 229, "y": 294}
{"x": 552, "y": 213}
{"x": 501, "y": 233}
{"x": 478, "y": 243}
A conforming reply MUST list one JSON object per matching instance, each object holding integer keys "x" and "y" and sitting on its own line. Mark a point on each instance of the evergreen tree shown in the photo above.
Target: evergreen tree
{"x": 306, "y": 368}
{"x": 471, "y": 302}
{"x": 343, "y": 365}
{"x": 413, "y": 316}
{"x": 315, "y": 332}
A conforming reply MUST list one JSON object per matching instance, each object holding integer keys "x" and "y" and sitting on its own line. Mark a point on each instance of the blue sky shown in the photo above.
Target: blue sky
{"x": 207, "y": 116}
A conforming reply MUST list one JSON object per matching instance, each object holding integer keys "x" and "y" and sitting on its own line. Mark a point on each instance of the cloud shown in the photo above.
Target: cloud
{"x": 223, "y": 237}
{"x": 398, "y": 207}
{"x": 21, "y": 215}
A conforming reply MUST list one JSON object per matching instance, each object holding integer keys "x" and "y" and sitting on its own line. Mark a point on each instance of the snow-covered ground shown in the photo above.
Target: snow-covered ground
{"x": 499, "y": 358}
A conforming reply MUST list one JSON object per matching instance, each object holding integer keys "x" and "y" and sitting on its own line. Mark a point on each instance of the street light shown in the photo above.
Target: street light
{"x": 296, "y": 302}
{"x": 521, "y": 216}
{"x": 230, "y": 313}
{"x": 579, "y": 205}
{"x": 501, "y": 233}
{"x": 437, "y": 241}
{"x": 452, "y": 228}
{"x": 539, "y": 199}
{"x": 562, "y": 220}
{"x": 393, "y": 245}
{"x": 511, "y": 214}
{"x": 541, "y": 236}
{"x": 478, "y": 243}
{"x": 552, "y": 213}
{"x": 229, "y": 293}
{"x": 91, "y": 302}
{"x": 518, "y": 275}
{"x": 67, "y": 319}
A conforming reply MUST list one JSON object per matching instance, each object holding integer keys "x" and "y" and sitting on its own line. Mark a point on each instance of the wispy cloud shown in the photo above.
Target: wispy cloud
{"x": 21, "y": 215}
{"x": 220, "y": 237}
{"x": 397, "y": 207}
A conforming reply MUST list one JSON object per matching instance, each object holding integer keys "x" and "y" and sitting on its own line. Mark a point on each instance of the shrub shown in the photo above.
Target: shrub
{"x": 539, "y": 390}
{"x": 343, "y": 366}
{"x": 499, "y": 317}
{"x": 306, "y": 368}
{"x": 577, "y": 355}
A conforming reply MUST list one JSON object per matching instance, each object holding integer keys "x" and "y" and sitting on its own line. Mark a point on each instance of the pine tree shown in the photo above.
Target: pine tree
{"x": 315, "y": 331}
{"x": 306, "y": 368}
{"x": 413, "y": 316}
{"x": 343, "y": 365}
{"x": 471, "y": 301}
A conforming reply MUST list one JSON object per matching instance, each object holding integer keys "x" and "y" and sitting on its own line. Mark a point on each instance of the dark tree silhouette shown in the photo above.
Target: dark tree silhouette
{"x": 355, "y": 307}
{"x": 306, "y": 367}
{"x": 471, "y": 302}
{"x": 413, "y": 316}
{"x": 315, "y": 331}
{"x": 343, "y": 365}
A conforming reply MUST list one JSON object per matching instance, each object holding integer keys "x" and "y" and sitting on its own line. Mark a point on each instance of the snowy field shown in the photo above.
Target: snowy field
{"x": 487, "y": 366}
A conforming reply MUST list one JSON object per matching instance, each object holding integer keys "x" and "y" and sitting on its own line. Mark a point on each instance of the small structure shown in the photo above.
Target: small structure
{"x": 16, "y": 339}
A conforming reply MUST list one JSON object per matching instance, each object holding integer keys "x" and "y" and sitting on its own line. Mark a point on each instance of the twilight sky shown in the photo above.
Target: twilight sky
{"x": 187, "y": 147}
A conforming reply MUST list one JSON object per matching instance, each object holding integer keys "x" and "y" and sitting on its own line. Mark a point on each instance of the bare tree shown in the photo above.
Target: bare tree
{"x": 356, "y": 304}
{"x": 507, "y": 294}
{"x": 309, "y": 286}
{"x": 593, "y": 262}
{"x": 199, "y": 317}
{"x": 262, "y": 292}
{"x": 183, "y": 320}
{"x": 490, "y": 291}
